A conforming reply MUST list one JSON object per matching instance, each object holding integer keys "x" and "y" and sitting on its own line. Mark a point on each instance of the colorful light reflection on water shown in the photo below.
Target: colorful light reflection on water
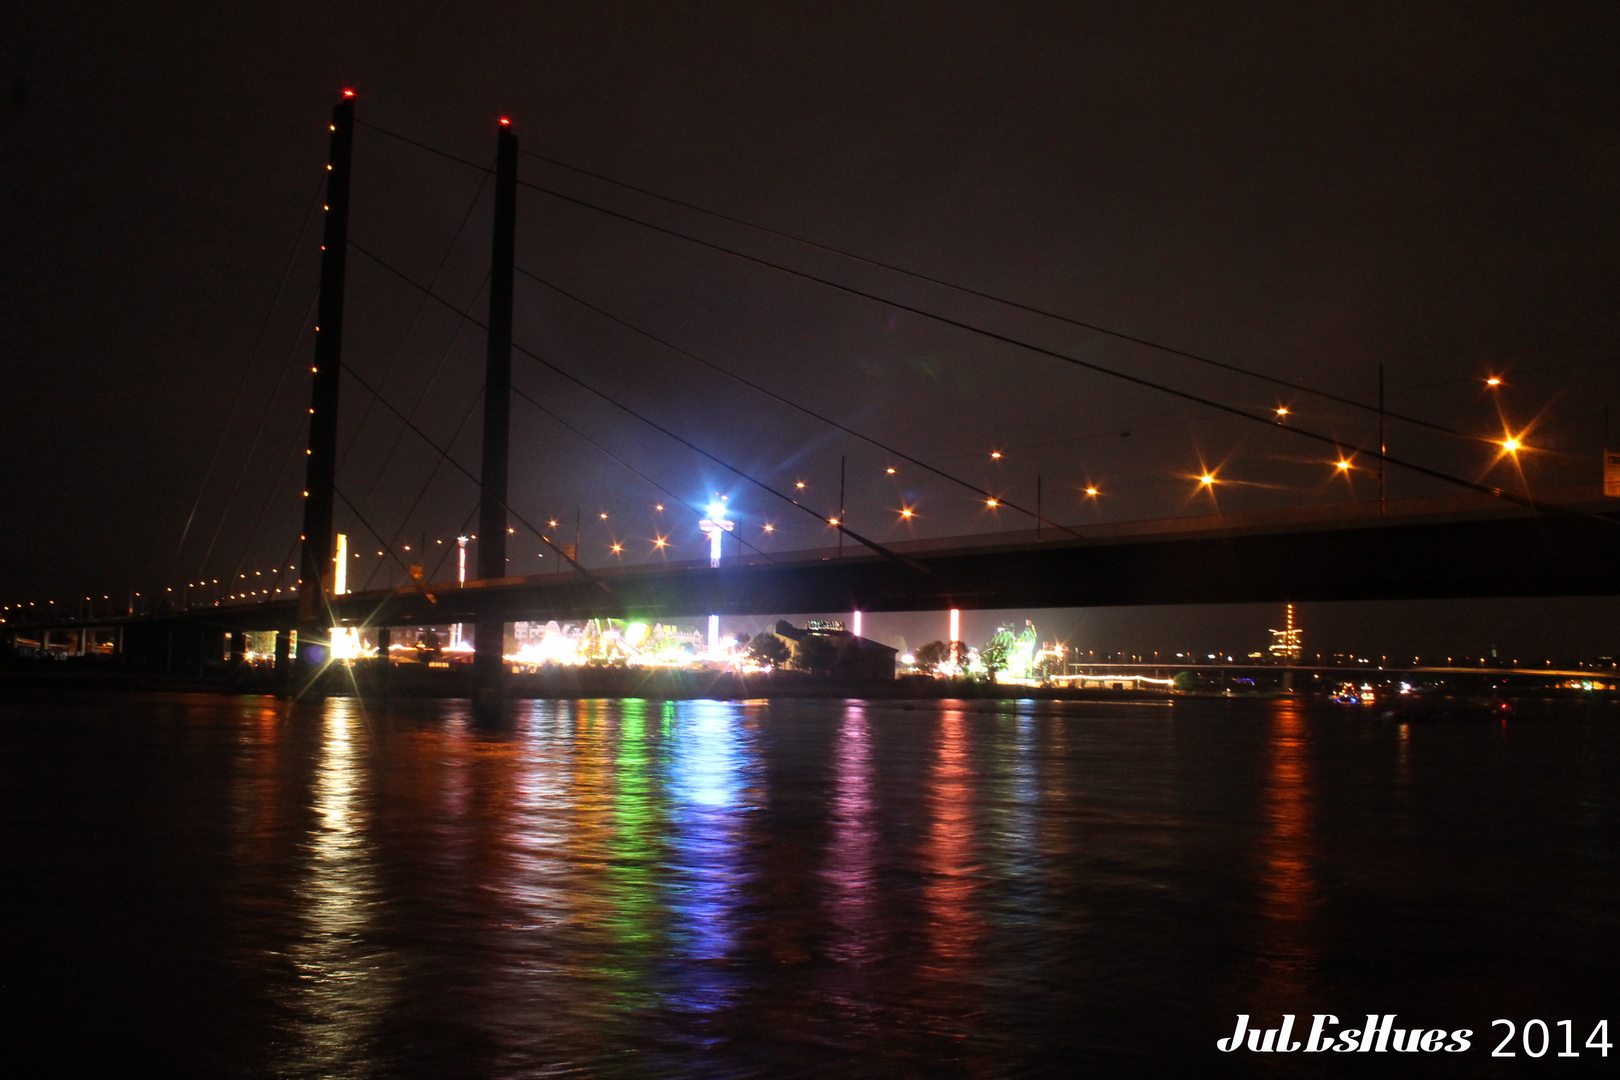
{"x": 641, "y": 888}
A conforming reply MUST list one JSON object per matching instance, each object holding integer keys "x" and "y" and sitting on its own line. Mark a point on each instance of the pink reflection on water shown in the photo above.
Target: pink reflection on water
{"x": 853, "y": 847}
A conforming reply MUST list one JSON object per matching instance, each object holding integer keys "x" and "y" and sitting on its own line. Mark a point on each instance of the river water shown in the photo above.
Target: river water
{"x": 220, "y": 886}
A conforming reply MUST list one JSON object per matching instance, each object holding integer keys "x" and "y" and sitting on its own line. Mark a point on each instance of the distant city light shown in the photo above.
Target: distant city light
{"x": 905, "y": 513}
{"x": 832, "y": 521}
{"x": 770, "y": 528}
{"x": 658, "y": 506}
{"x": 1091, "y": 491}
{"x": 1282, "y": 410}
{"x": 991, "y": 503}
{"x": 1493, "y": 381}
{"x": 1343, "y": 466}
{"x": 1511, "y": 445}
{"x": 995, "y": 455}
{"x": 1208, "y": 479}
{"x": 800, "y": 485}
{"x": 891, "y": 470}
{"x": 617, "y": 549}
{"x": 603, "y": 515}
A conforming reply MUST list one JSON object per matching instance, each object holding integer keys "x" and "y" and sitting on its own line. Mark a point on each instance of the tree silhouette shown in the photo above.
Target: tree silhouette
{"x": 769, "y": 650}
{"x": 933, "y": 654}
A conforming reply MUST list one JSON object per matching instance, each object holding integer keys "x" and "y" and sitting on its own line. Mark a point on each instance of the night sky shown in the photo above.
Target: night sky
{"x": 1308, "y": 191}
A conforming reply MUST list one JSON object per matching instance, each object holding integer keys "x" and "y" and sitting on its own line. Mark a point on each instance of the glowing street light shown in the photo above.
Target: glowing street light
{"x": 1511, "y": 445}
{"x": 1091, "y": 492}
{"x": 995, "y": 455}
{"x": 1281, "y": 411}
{"x": 991, "y": 503}
{"x": 905, "y": 513}
{"x": 1493, "y": 381}
{"x": 1342, "y": 465}
{"x": 1207, "y": 480}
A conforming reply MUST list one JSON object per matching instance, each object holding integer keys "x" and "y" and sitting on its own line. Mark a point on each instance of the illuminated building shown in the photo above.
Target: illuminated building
{"x": 1286, "y": 644}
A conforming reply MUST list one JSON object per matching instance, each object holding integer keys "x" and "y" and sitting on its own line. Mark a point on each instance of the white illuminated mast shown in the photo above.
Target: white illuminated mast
{"x": 715, "y": 527}
{"x": 461, "y": 580}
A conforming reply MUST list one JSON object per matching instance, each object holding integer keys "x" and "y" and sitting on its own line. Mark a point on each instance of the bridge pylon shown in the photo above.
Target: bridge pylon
{"x": 489, "y": 665}
{"x": 320, "y": 483}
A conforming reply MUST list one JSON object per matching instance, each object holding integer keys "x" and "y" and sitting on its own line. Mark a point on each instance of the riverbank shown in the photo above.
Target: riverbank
{"x": 417, "y": 681}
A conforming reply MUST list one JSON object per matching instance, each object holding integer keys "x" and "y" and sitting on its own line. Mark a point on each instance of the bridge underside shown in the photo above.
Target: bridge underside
{"x": 1574, "y": 552}
{"x": 1563, "y": 554}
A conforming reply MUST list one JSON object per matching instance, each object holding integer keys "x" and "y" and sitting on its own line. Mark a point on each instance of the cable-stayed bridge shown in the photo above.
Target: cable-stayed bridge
{"x": 1489, "y": 539}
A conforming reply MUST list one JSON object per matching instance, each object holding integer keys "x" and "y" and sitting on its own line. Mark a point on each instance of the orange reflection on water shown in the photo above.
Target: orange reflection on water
{"x": 953, "y": 925}
{"x": 1288, "y": 898}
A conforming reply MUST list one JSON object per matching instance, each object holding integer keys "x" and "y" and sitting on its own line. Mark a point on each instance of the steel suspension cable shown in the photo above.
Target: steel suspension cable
{"x": 835, "y": 522}
{"x": 673, "y": 497}
{"x": 241, "y": 383}
{"x": 1137, "y": 380}
{"x": 423, "y": 490}
{"x": 445, "y": 455}
{"x": 1018, "y": 305}
{"x": 1092, "y": 327}
{"x": 1199, "y": 399}
{"x": 988, "y": 496}
{"x": 411, "y": 326}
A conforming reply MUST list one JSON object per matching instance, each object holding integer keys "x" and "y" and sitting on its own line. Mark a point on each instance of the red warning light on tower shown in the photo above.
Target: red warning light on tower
{"x": 347, "y": 92}
{"x": 506, "y": 121}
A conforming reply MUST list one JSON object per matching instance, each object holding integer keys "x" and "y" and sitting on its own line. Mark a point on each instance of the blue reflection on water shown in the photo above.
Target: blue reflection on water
{"x": 706, "y": 773}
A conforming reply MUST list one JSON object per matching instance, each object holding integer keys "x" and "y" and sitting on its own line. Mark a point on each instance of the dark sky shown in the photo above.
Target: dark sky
{"x": 1305, "y": 190}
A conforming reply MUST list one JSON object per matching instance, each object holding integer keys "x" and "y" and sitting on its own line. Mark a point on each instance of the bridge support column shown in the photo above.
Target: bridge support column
{"x": 238, "y": 649}
{"x": 282, "y": 673}
{"x": 384, "y": 661}
{"x": 314, "y": 620}
{"x": 489, "y": 669}
{"x": 489, "y": 665}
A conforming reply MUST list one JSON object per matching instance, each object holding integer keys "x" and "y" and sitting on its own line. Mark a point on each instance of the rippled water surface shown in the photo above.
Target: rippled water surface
{"x": 238, "y": 886}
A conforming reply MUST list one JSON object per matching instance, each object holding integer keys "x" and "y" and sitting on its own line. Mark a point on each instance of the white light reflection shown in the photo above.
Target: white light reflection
{"x": 347, "y": 981}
